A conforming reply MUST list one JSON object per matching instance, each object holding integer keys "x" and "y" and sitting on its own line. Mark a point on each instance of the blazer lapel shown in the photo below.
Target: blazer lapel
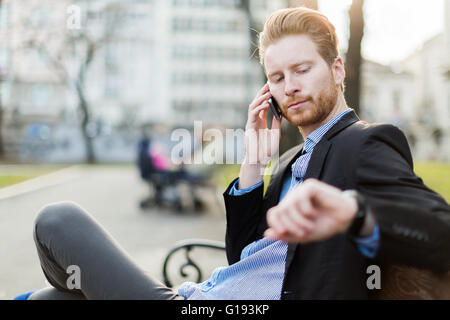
{"x": 276, "y": 181}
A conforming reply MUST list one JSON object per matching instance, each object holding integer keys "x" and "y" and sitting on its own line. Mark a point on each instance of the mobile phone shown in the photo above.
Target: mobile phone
{"x": 275, "y": 108}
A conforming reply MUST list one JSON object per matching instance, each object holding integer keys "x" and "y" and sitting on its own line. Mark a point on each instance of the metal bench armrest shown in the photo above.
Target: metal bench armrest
{"x": 188, "y": 245}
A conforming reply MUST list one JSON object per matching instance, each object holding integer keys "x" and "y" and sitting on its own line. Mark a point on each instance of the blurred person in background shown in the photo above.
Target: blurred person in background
{"x": 162, "y": 175}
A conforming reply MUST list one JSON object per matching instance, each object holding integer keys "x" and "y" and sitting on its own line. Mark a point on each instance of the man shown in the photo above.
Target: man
{"x": 333, "y": 237}
{"x": 318, "y": 241}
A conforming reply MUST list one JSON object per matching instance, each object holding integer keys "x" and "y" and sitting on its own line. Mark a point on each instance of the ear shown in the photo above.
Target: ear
{"x": 338, "y": 70}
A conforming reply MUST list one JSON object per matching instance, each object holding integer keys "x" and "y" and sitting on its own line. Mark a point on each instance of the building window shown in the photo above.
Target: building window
{"x": 207, "y": 3}
{"x": 191, "y": 78}
{"x": 208, "y": 52}
{"x": 186, "y": 24}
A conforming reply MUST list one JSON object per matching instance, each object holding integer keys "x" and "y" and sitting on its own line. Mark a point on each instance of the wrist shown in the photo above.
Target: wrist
{"x": 250, "y": 174}
{"x": 369, "y": 225}
{"x": 357, "y": 225}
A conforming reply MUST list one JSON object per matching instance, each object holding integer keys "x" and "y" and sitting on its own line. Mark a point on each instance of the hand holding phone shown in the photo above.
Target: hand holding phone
{"x": 261, "y": 142}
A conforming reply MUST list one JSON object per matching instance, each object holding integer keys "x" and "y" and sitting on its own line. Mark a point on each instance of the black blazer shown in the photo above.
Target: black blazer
{"x": 375, "y": 159}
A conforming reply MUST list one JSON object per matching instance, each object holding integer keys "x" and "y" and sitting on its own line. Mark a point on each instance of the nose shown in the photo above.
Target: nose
{"x": 292, "y": 87}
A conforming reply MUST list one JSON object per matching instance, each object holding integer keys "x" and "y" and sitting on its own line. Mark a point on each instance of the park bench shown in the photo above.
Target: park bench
{"x": 398, "y": 282}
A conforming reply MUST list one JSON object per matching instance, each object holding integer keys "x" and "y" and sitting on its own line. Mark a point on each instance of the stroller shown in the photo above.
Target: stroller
{"x": 164, "y": 183}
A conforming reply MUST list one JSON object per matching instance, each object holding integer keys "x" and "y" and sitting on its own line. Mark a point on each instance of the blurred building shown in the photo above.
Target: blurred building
{"x": 386, "y": 94}
{"x": 155, "y": 61}
{"x": 174, "y": 62}
{"x": 33, "y": 95}
{"x": 386, "y": 97}
{"x": 430, "y": 66}
{"x": 206, "y": 59}
{"x": 414, "y": 95}
{"x": 431, "y": 95}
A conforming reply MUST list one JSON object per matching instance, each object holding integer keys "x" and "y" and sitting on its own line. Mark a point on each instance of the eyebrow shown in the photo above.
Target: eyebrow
{"x": 292, "y": 66}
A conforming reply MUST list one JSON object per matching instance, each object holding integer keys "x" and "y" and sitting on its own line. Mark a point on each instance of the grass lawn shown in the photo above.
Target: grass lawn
{"x": 19, "y": 174}
{"x": 224, "y": 174}
{"x": 9, "y": 180}
{"x": 436, "y": 176}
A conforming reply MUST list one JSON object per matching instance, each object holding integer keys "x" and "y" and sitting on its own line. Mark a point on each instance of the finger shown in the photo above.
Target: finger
{"x": 294, "y": 229}
{"x": 256, "y": 111}
{"x": 304, "y": 194}
{"x": 271, "y": 234}
{"x": 273, "y": 220}
{"x": 263, "y": 90}
{"x": 300, "y": 220}
{"x": 289, "y": 238}
{"x": 307, "y": 208}
{"x": 259, "y": 100}
{"x": 263, "y": 114}
{"x": 322, "y": 196}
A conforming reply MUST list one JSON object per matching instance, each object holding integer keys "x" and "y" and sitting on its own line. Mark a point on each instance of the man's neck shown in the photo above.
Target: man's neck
{"x": 340, "y": 106}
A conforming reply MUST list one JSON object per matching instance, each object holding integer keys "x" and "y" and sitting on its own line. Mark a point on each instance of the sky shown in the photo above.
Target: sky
{"x": 394, "y": 28}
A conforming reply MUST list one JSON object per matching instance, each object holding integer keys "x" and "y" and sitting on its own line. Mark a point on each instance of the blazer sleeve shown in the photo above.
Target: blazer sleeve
{"x": 414, "y": 221}
{"x": 243, "y": 214}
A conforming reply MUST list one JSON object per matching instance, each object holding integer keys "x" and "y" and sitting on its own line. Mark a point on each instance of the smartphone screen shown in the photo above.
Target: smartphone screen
{"x": 275, "y": 108}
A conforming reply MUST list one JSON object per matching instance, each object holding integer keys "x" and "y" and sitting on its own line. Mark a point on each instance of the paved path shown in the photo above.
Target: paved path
{"x": 111, "y": 194}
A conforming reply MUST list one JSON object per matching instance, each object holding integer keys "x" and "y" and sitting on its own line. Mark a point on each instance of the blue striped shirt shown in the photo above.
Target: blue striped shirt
{"x": 260, "y": 272}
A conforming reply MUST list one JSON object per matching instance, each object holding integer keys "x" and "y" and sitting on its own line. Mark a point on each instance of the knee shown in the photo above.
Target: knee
{"x": 56, "y": 216}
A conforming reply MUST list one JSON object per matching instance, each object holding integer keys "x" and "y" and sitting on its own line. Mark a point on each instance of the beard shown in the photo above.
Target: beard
{"x": 315, "y": 111}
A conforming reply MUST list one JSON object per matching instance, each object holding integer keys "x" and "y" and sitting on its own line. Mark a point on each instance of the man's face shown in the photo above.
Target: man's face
{"x": 300, "y": 80}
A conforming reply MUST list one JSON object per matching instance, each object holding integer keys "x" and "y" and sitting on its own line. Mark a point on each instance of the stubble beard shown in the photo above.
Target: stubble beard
{"x": 317, "y": 110}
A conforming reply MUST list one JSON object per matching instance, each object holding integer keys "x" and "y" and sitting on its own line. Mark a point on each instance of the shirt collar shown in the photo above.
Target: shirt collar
{"x": 315, "y": 136}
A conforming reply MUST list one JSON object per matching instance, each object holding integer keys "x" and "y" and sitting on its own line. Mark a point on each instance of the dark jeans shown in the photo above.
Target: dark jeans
{"x": 65, "y": 235}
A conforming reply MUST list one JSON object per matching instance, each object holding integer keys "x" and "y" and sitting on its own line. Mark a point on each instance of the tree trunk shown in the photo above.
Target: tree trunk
{"x": 353, "y": 57}
{"x": 90, "y": 154}
{"x": 83, "y": 104}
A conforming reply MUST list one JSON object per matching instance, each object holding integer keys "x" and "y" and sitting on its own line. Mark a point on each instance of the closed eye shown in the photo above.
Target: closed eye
{"x": 278, "y": 79}
{"x": 299, "y": 71}
{"x": 304, "y": 70}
